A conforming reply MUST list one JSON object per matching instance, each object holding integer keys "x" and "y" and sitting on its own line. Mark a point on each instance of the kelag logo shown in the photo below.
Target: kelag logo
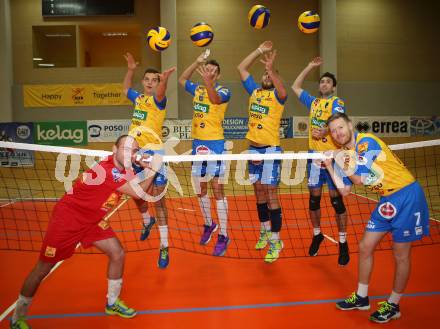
{"x": 61, "y": 133}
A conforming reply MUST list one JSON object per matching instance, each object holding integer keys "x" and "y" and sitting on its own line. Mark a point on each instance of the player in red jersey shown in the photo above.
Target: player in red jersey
{"x": 80, "y": 217}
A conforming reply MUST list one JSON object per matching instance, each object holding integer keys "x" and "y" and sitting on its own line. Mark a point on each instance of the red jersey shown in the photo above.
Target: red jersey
{"x": 94, "y": 193}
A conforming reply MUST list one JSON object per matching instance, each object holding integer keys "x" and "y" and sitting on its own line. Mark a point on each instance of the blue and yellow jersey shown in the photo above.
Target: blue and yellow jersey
{"x": 265, "y": 113}
{"x": 147, "y": 120}
{"x": 320, "y": 110}
{"x": 207, "y": 122}
{"x": 381, "y": 169}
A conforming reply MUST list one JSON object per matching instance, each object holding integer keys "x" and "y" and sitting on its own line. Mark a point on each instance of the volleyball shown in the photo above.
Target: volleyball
{"x": 308, "y": 22}
{"x": 158, "y": 38}
{"x": 259, "y": 16}
{"x": 202, "y": 34}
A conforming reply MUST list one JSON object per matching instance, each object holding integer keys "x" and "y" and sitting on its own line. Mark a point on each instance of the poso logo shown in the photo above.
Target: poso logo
{"x": 95, "y": 131}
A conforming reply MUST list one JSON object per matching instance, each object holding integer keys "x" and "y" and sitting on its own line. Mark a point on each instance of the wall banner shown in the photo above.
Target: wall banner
{"x": 19, "y": 132}
{"x": 74, "y": 95}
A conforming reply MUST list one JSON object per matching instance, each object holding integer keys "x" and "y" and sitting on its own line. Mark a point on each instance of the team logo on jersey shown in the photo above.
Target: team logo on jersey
{"x": 199, "y": 107}
{"x": 361, "y": 160}
{"x": 258, "y": 100}
{"x": 140, "y": 115}
{"x": 116, "y": 174}
{"x": 50, "y": 252}
{"x": 202, "y": 125}
{"x": 260, "y": 126}
{"x": 316, "y": 102}
{"x": 363, "y": 147}
{"x": 104, "y": 224}
{"x": 387, "y": 210}
{"x": 202, "y": 150}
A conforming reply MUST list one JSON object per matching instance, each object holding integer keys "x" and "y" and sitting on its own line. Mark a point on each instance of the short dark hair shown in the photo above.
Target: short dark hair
{"x": 120, "y": 138}
{"x": 215, "y": 63}
{"x": 151, "y": 70}
{"x": 338, "y": 115}
{"x": 331, "y": 76}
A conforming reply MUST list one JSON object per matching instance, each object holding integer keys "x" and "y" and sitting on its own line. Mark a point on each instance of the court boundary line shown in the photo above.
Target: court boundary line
{"x": 227, "y": 308}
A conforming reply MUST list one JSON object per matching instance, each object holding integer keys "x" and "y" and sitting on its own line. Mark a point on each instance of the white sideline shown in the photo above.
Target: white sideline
{"x": 12, "y": 307}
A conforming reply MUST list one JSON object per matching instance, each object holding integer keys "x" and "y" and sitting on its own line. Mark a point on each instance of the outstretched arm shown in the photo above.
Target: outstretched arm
{"x": 162, "y": 87}
{"x": 297, "y": 85}
{"x": 243, "y": 67}
{"x": 186, "y": 75}
{"x": 276, "y": 79}
{"x": 131, "y": 67}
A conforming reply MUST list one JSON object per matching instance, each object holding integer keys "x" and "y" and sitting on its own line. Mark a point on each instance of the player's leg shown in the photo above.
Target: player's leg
{"x": 148, "y": 220}
{"x": 270, "y": 179}
{"x": 116, "y": 256}
{"x": 222, "y": 214}
{"x": 359, "y": 299}
{"x": 30, "y": 287}
{"x": 315, "y": 217}
{"x": 408, "y": 212}
{"x": 263, "y": 215}
{"x": 159, "y": 191}
{"x": 390, "y": 309}
{"x": 341, "y": 220}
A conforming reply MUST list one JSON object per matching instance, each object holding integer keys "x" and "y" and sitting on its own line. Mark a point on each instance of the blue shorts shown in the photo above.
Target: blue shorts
{"x": 212, "y": 168}
{"x": 404, "y": 213}
{"x": 318, "y": 175}
{"x": 268, "y": 172}
{"x": 161, "y": 176}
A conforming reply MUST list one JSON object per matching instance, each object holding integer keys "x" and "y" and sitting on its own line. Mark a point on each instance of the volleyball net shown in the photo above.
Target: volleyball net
{"x": 29, "y": 193}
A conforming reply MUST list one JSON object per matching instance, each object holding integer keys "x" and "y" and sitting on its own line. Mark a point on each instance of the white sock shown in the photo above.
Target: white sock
{"x": 222, "y": 213}
{"x": 205, "y": 205}
{"x": 163, "y": 232}
{"x": 316, "y": 230}
{"x": 22, "y": 307}
{"x": 275, "y": 236}
{"x": 394, "y": 297}
{"x": 362, "y": 290}
{"x": 113, "y": 291}
{"x": 342, "y": 237}
{"x": 146, "y": 217}
{"x": 265, "y": 226}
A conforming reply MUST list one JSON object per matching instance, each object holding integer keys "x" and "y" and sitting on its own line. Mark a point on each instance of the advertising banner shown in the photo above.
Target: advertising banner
{"x": 18, "y": 132}
{"x": 68, "y": 133}
{"x": 74, "y": 95}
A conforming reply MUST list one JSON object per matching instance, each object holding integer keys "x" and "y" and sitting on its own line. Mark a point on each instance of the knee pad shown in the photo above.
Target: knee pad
{"x": 263, "y": 212}
{"x": 275, "y": 219}
{"x": 338, "y": 204}
{"x": 314, "y": 202}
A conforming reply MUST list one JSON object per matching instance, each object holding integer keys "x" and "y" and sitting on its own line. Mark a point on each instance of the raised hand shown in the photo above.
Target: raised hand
{"x": 166, "y": 74}
{"x": 317, "y": 61}
{"x": 207, "y": 73}
{"x": 268, "y": 60}
{"x": 203, "y": 56}
{"x": 131, "y": 63}
{"x": 265, "y": 47}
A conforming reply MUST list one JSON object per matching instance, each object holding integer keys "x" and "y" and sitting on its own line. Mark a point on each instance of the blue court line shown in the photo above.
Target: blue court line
{"x": 225, "y": 308}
